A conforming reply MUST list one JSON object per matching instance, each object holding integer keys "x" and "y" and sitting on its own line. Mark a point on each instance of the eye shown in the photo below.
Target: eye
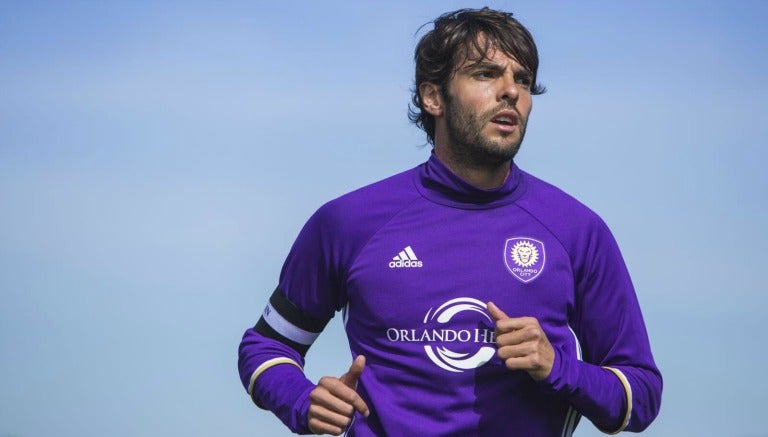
{"x": 524, "y": 80}
{"x": 485, "y": 74}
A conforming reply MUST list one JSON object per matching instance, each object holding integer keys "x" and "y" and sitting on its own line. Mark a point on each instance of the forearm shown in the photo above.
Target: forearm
{"x": 646, "y": 387}
{"x": 272, "y": 374}
{"x": 284, "y": 390}
{"x": 614, "y": 398}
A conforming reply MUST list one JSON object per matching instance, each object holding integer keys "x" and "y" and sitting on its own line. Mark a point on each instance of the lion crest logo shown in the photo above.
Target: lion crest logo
{"x": 524, "y": 258}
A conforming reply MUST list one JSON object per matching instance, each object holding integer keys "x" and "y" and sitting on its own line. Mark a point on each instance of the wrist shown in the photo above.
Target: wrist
{"x": 284, "y": 390}
{"x": 562, "y": 375}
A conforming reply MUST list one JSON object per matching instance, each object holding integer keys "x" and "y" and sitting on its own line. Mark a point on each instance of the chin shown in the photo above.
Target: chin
{"x": 505, "y": 151}
{"x": 496, "y": 156}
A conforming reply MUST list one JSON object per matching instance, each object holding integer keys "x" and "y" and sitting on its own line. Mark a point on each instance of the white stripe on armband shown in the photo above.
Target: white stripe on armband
{"x": 288, "y": 329}
{"x": 628, "y": 391}
{"x": 266, "y": 365}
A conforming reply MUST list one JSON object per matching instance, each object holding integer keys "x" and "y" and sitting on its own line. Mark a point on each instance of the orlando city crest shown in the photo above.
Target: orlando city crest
{"x": 524, "y": 258}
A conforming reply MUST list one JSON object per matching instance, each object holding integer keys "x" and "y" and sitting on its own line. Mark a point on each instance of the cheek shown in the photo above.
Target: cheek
{"x": 485, "y": 96}
{"x": 524, "y": 105}
{"x": 478, "y": 96}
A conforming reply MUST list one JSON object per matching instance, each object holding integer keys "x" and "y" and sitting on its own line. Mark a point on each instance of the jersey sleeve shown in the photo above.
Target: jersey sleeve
{"x": 615, "y": 383}
{"x": 310, "y": 291}
{"x": 312, "y": 287}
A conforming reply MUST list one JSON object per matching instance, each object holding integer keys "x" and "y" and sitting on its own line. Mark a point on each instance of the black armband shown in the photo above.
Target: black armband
{"x": 286, "y": 323}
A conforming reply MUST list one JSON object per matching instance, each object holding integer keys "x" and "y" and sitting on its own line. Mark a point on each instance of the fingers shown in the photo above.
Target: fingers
{"x": 504, "y": 323}
{"x": 330, "y": 408}
{"x": 350, "y": 380}
{"x": 496, "y": 312}
{"x": 537, "y": 366}
{"x": 537, "y": 361}
{"x": 514, "y": 333}
{"x": 335, "y": 396}
{"x": 523, "y": 345}
{"x": 323, "y": 420}
{"x": 334, "y": 401}
{"x": 353, "y": 374}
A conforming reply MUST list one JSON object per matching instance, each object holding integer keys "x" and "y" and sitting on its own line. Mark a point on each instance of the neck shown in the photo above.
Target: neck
{"x": 486, "y": 175}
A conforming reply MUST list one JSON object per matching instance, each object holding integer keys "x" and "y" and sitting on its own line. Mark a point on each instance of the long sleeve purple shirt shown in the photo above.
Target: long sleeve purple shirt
{"x": 411, "y": 262}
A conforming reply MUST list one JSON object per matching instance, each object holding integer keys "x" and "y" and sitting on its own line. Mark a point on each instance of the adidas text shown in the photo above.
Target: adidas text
{"x": 406, "y": 258}
{"x": 406, "y": 263}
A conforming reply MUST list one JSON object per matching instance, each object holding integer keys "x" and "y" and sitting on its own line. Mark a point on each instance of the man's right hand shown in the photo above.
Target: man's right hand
{"x": 334, "y": 401}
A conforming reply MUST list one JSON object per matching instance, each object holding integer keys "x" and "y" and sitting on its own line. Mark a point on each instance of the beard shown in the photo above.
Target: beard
{"x": 467, "y": 141}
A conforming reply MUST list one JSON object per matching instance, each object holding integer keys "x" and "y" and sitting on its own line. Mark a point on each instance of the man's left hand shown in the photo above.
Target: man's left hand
{"x": 522, "y": 344}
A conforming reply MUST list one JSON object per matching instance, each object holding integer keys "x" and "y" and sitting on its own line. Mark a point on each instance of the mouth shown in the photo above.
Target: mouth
{"x": 505, "y": 120}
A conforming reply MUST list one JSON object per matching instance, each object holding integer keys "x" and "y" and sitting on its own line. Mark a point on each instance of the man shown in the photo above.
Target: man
{"x": 477, "y": 299}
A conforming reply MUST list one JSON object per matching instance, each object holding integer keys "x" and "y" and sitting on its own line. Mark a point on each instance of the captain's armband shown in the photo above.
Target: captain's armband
{"x": 286, "y": 323}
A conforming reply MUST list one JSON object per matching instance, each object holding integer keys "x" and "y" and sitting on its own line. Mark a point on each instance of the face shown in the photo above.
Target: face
{"x": 486, "y": 108}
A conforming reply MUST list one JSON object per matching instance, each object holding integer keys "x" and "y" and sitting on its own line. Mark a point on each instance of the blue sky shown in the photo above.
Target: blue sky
{"x": 158, "y": 158}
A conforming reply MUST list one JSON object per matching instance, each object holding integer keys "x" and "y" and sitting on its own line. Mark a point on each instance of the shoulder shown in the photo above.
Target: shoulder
{"x": 374, "y": 199}
{"x": 357, "y": 215}
{"x": 552, "y": 205}
{"x": 578, "y": 228}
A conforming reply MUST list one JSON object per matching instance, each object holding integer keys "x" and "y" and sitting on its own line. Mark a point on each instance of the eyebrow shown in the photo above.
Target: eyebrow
{"x": 487, "y": 65}
{"x": 480, "y": 65}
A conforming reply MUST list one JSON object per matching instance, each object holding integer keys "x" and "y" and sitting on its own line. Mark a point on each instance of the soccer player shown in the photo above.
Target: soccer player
{"x": 477, "y": 299}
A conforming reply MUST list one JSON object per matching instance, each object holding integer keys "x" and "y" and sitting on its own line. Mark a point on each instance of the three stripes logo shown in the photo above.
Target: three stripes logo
{"x": 405, "y": 259}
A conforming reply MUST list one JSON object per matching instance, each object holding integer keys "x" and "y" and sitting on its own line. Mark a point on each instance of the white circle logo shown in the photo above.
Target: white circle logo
{"x": 460, "y": 361}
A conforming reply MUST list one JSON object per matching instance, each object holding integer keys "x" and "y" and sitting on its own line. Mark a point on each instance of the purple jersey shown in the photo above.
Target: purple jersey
{"x": 411, "y": 261}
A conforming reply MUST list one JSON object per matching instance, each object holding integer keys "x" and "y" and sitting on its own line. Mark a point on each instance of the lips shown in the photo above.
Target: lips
{"x": 505, "y": 122}
{"x": 505, "y": 118}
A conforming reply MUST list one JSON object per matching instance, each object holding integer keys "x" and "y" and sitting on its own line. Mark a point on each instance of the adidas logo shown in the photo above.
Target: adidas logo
{"x": 406, "y": 258}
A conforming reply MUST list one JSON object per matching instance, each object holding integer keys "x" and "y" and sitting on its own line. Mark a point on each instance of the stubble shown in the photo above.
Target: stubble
{"x": 470, "y": 146}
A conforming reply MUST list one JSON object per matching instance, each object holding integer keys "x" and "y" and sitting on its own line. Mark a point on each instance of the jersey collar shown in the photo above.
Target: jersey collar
{"x": 439, "y": 184}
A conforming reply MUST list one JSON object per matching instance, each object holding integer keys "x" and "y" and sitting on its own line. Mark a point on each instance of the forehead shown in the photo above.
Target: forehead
{"x": 491, "y": 56}
{"x": 482, "y": 51}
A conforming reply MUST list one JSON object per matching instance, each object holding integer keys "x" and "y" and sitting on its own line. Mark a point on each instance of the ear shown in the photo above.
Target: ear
{"x": 431, "y": 98}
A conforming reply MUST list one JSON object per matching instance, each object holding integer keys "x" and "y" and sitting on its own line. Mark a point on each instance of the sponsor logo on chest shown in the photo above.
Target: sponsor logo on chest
{"x": 457, "y": 336}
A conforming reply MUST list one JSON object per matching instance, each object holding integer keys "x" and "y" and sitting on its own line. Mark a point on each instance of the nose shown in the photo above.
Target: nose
{"x": 508, "y": 91}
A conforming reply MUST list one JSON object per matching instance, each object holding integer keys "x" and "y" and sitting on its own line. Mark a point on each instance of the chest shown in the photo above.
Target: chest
{"x": 425, "y": 263}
